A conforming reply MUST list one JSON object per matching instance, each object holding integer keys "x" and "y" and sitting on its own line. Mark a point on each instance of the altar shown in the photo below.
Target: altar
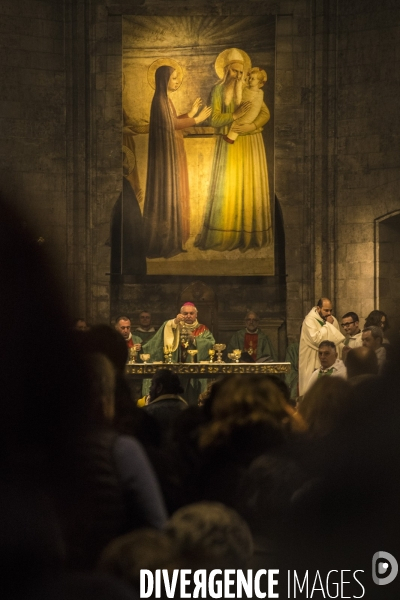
{"x": 206, "y": 370}
{"x": 137, "y": 372}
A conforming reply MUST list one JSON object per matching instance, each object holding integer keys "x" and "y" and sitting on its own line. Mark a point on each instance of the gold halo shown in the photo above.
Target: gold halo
{"x": 162, "y": 62}
{"x": 221, "y": 58}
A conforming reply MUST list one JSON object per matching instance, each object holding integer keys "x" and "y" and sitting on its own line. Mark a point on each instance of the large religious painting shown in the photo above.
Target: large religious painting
{"x": 198, "y": 146}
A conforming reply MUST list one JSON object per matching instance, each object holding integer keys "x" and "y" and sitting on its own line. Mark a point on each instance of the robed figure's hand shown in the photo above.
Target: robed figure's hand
{"x": 179, "y": 318}
{"x": 196, "y": 105}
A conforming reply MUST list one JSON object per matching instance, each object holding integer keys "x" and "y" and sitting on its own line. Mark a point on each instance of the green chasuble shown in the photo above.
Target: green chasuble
{"x": 264, "y": 344}
{"x": 204, "y": 340}
{"x": 145, "y": 336}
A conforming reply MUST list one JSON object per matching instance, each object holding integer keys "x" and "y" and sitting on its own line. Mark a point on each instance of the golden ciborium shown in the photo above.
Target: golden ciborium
{"x": 219, "y": 348}
{"x": 211, "y": 354}
{"x": 145, "y": 358}
{"x": 192, "y": 354}
{"x": 236, "y": 354}
{"x": 168, "y": 354}
{"x": 231, "y": 356}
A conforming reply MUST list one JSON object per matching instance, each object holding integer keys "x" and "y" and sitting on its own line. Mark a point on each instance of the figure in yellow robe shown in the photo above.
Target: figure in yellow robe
{"x": 238, "y": 212}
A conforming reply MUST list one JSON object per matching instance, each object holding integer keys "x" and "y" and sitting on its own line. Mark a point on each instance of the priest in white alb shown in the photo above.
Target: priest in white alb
{"x": 319, "y": 325}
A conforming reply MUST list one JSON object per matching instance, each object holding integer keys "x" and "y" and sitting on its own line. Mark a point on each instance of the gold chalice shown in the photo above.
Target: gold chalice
{"x": 168, "y": 354}
{"x": 145, "y": 358}
{"x": 132, "y": 355}
{"x": 231, "y": 356}
{"x": 192, "y": 354}
{"x": 211, "y": 354}
{"x": 237, "y": 354}
{"x": 219, "y": 348}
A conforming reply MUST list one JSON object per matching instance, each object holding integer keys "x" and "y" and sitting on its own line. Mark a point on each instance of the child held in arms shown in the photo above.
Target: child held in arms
{"x": 256, "y": 78}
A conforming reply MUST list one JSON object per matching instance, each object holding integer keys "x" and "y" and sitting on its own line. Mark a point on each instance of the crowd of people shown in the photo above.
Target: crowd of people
{"x": 94, "y": 489}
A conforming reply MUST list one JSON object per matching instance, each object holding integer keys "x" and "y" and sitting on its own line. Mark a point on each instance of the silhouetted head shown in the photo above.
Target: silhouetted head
{"x": 125, "y": 556}
{"x": 377, "y": 318}
{"x": 163, "y": 382}
{"x": 361, "y": 361}
{"x": 325, "y": 404}
{"x": 211, "y": 533}
{"x": 107, "y": 341}
{"x": 247, "y": 404}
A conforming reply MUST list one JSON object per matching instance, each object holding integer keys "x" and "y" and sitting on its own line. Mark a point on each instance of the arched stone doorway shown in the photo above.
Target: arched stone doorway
{"x": 387, "y": 256}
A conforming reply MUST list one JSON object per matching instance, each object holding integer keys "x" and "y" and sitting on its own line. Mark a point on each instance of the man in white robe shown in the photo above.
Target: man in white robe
{"x": 351, "y": 327}
{"x": 145, "y": 331}
{"x": 331, "y": 365}
{"x": 319, "y": 325}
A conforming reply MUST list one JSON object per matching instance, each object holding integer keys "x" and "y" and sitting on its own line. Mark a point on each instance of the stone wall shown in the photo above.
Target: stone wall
{"x": 33, "y": 117}
{"x": 367, "y": 131}
{"x": 336, "y": 147}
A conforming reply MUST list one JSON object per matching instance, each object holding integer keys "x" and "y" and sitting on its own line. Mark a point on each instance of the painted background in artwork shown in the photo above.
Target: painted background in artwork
{"x": 208, "y": 208}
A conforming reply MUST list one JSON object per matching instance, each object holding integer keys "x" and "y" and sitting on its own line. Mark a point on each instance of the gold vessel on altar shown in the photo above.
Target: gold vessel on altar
{"x": 192, "y": 354}
{"x": 132, "y": 355}
{"x": 219, "y": 349}
{"x": 168, "y": 354}
{"x": 236, "y": 354}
